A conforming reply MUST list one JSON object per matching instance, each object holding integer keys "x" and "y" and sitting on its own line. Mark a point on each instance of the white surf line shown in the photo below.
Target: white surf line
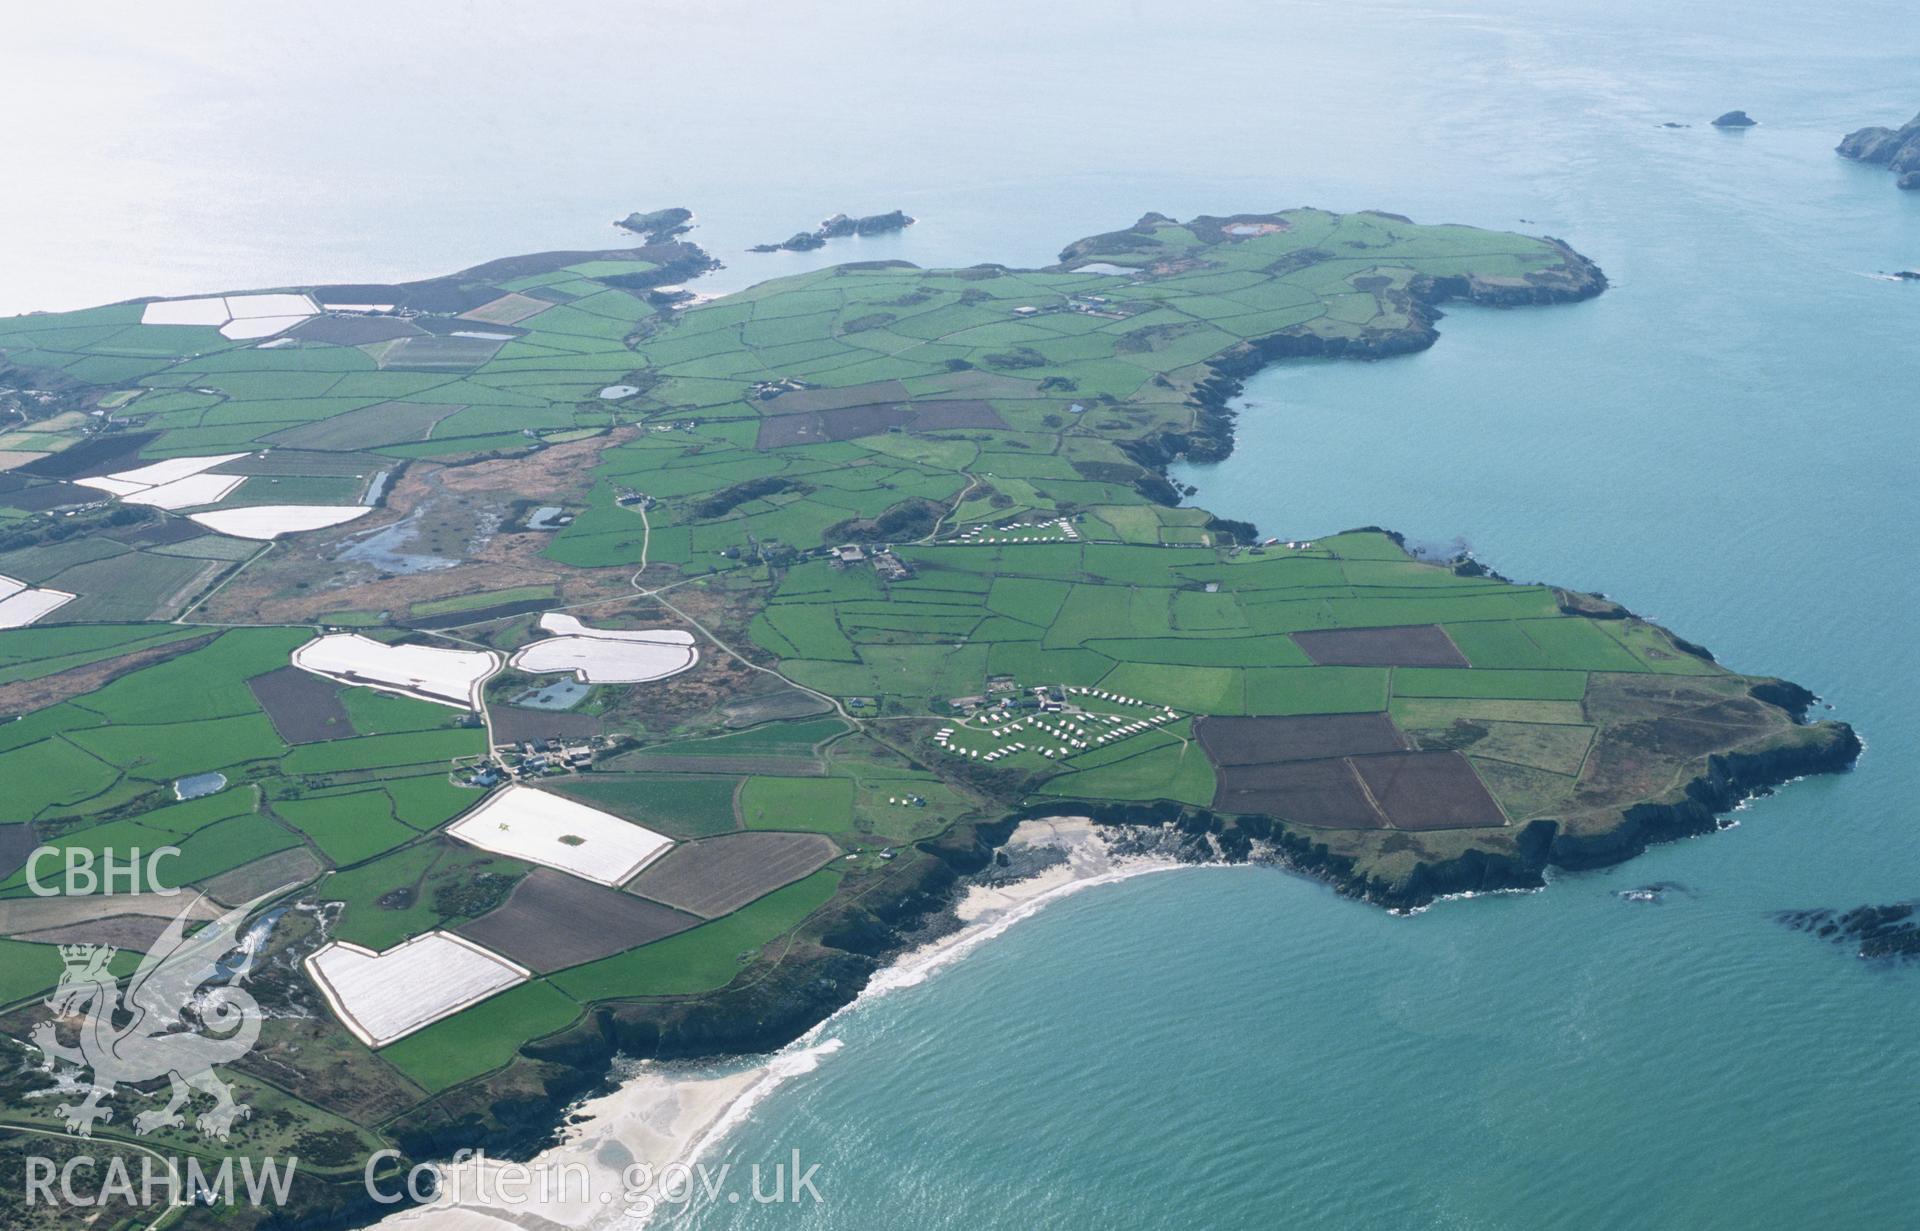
{"x": 669, "y": 1115}
{"x": 987, "y": 912}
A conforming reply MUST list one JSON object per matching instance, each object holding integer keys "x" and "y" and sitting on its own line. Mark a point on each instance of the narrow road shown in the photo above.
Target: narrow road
{"x": 972, "y": 482}
{"x": 198, "y": 602}
{"x": 658, "y": 596}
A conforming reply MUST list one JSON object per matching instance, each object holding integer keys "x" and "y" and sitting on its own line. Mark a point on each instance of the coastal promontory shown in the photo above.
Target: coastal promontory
{"x": 623, "y": 672}
{"x": 1896, "y": 149}
{"x": 840, "y": 226}
{"x": 658, "y": 226}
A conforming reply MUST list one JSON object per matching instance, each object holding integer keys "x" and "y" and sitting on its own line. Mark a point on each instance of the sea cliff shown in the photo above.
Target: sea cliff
{"x": 1897, "y": 149}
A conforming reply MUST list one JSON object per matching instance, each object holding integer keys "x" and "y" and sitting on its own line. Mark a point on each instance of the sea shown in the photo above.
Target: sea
{"x": 1727, "y": 441}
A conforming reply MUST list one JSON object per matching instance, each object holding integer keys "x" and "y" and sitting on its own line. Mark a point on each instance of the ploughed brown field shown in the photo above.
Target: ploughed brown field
{"x": 305, "y": 709}
{"x": 16, "y": 843}
{"x": 509, "y": 309}
{"x": 370, "y": 427}
{"x": 153, "y": 533}
{"x": 98, "y": 455}
{"x": 513, "y": 724}
{"x": 293, "y": 866}
{"x": 126, "y": 920}
{"x": 1410, "y": 645}
{"x": 714, "y": 876}
{"x": 38, "y": 498}
{"x": 1341, "y": 771}
{"x": 552, "y": 921}
{"x": 134, "y": 933}
{"x": 1428, "y": 790}
{"x": 1325, "y": 793}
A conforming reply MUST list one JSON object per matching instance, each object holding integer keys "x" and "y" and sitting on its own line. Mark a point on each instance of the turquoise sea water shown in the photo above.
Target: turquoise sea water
{"x": 1726, "y": 442}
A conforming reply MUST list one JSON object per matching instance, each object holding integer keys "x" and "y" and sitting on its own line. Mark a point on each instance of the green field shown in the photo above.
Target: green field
{"x": 417, "y": 889}
{"x": 824, "y": 805}
{"x": 685, "y": 807}
{"x": 707, "y": 957}
{"x": 483, "y": 1038}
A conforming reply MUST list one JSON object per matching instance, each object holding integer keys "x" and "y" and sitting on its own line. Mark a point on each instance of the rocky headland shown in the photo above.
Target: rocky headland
{"x": 840, "y": 226}
{"x": 1896, "y": 149}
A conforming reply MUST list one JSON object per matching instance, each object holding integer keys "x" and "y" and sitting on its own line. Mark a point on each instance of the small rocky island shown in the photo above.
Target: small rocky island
{"x": 1897, "y": 149}
{"x": 839, "y": 227}
{"x": 1735, "y": 119}
{"x": 658, "y": 226}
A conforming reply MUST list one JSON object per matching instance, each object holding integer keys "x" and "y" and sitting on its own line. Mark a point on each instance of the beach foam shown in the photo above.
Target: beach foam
{"x": 665, "y": 1114}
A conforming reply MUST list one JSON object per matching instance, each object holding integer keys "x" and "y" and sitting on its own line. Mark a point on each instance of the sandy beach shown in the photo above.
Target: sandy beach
{"x": 636, "y": 1152}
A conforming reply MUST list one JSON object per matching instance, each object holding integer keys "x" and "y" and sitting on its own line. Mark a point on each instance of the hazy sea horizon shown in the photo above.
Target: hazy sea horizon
{"x": 1725, "y": 441}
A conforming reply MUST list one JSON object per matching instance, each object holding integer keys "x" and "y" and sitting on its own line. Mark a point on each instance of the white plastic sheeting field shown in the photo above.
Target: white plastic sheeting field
{"x": 176, "y": 483}
{"x": 22, "y": 604}
{"x": 235, "y": 316}
{"x": 558, "y": 833}
{"x": 607, "y": 656}
{"x": 270, "y": 521}
{"x": 187, "y": 492}
{"x": 211, "y": 310}
{"x": 449, "y": 677}
{"x": 386, "y": 996}
{"x": 183, "y": 483}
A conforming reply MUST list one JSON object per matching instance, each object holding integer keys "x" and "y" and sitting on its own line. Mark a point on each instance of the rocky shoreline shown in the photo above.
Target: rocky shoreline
{"x": 794, "y": 997}
{"x": 776, "y": 1010}
{"x": 1212, "y": 437}
{"x": 1898, "y": 150}
{"x": 673, "y": 1113}
{"x": 514, "y": 1113}
{"x": 1690, "y": 811}
{"x": 840, "y": 226}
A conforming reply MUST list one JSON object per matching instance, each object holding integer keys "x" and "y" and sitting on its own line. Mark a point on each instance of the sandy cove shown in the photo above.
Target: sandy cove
{"x": 669, "y": 1117}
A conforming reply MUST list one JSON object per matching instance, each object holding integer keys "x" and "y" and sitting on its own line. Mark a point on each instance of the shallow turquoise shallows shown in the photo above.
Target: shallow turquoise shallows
{"x": 1726, "y": 441}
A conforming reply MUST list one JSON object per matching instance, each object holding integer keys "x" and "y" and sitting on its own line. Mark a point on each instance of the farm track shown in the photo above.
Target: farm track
{"x": 657, "y": 595}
